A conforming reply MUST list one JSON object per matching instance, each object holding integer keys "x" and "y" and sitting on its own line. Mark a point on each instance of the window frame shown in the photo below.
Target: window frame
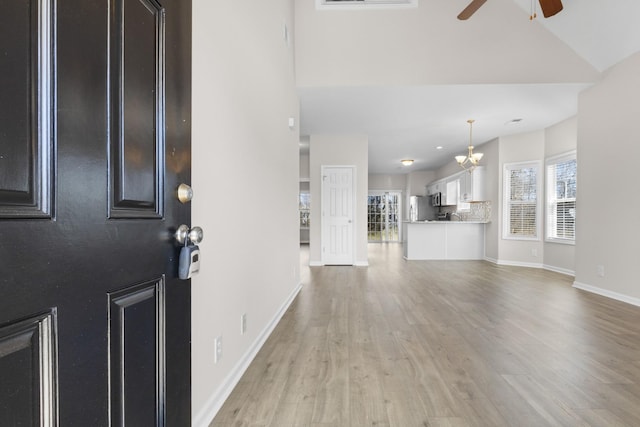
{"x": 550, "y": 197}
{"x": 506, "y": 200}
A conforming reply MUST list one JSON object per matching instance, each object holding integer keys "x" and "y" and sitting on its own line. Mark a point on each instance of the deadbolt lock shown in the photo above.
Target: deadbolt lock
{"x": 185, "y": 193}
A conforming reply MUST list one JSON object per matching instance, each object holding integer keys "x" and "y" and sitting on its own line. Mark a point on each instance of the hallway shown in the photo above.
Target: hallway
{"x": 442, "y": 343}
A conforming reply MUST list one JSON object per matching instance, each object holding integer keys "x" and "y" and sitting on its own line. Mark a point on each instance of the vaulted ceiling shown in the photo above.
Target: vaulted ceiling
{"x": 496, "y": 67}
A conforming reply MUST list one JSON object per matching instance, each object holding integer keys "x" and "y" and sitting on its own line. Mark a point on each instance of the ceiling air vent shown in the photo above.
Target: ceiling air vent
{"x": 360, "y": 4}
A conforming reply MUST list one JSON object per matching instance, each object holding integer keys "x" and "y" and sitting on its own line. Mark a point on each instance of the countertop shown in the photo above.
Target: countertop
{"x": 445, "y": 222}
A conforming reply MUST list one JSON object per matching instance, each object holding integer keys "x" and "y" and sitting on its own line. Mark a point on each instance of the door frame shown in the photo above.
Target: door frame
{"x": 354, "y": 221}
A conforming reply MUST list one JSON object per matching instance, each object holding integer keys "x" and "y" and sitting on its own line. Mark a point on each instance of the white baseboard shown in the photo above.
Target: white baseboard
{"x": 356, "y": 264}
{"x": 532, "y": 265}
{"x": 607, "y": 293}
{"x": 204, "y": 417}
{"x": 559, "y": 270}
{"x": 519, "y": 264}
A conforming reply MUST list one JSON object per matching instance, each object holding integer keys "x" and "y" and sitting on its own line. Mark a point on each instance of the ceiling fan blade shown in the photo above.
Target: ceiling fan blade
{"x": 471, "y": 9}
{"x": 550, "y": 7}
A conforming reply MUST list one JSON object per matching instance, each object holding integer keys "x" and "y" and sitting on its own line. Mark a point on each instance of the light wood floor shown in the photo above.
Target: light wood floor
{"x": 454, "y": 343}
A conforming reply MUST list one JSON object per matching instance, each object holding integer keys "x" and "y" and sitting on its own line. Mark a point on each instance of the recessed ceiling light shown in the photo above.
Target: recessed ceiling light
{"x": 439, "y": 147}
{"x": 513, "y": 121}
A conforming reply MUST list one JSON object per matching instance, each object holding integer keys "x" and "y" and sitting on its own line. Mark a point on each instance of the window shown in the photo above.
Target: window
{"x": 521, "y": 201}
{"x": 304, "y": 206}
{"x": 383, "y": 216}
{"x": 561, "y": 198}
{"x": 360, "y": 4}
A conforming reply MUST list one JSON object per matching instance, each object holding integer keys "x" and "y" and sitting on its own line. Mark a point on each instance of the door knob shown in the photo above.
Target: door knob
{"x": 184, "y": 234}
{"x": 196, "y": 235}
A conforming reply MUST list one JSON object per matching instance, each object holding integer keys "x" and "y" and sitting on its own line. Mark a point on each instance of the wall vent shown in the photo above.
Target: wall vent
{"x": 364, "y": 4}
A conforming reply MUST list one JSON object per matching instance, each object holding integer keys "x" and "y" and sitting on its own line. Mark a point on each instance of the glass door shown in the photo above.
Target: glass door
{"x": 384, "y": 216}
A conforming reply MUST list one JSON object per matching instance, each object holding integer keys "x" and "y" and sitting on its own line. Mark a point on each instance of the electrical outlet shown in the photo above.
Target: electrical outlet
{"x": 534, "y": 252}
{"x": 600, "y": 270}
{"x": 243, "y": 323}
{"x": 217, "y": 349}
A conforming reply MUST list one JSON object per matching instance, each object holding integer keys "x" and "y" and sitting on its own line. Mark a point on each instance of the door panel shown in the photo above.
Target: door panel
{"x": 88, "y": 210}
{"x": 136, "y": 354}
{"x": 27, "y": 367}
{"x": 137, "y": 54}
{"x": 337, "y": 219}
{"x": 26, "y": 32}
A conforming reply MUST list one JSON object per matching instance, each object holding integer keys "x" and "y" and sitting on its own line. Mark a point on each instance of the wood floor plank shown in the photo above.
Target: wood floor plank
{"x": 442, "y": 343}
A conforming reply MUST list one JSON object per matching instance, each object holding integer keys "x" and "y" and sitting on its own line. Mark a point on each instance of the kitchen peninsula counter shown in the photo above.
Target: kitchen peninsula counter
{"x": 441, "y": 240}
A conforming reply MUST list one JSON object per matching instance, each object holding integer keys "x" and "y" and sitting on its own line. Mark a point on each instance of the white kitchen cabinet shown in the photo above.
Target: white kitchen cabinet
{"x": 436, "y": 187}
{"x": 462, "y": 187}
{"x": 443, "y": 240}
{"x": 430, "y": 189}
{"x": 450, "y": 197}
{"x": 472, "y": 185}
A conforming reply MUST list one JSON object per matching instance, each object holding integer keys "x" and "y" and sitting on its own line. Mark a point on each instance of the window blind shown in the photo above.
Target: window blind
{"x": 521, "y": 201}
{"x": 561, "y": 198}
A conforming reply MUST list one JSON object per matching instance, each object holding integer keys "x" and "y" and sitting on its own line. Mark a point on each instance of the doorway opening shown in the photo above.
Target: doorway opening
{"x": 383, "y": 216}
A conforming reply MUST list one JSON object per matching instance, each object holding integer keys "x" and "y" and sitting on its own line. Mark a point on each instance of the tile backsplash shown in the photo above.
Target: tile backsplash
{"x": 478, "y": 211}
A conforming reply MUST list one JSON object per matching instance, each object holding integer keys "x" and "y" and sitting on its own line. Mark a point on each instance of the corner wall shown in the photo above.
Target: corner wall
{"x": 245, "y": 183}
{"x": 608, "y": 206}
{"x": 559, "y": 139}
{"x": 492, "y": 190}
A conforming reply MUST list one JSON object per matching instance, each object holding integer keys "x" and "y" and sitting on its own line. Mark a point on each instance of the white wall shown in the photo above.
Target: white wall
{"x": 304, "y": 166}
{"x": 452, "y": 167}
{"x": 417, "y": 46}
{"x": 492, "y": 230}
{"x": 608, "y": 206}
{"x": 245, "y": 182}
{"x": 559, "y": 139}
{"x": 417, "y": 181}
{"x": 387, "y": 182}
{"x": 339, "y": 150}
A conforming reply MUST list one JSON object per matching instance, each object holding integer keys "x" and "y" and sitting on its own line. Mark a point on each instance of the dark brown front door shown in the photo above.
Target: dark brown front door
{"x": 94, "y": 140}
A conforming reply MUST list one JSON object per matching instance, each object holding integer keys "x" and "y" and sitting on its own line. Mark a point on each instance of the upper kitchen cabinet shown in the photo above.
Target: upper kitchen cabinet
{"x": 472, "y": 185}
{"x": 450, "y": 196}
{"x": 462, "y": 187}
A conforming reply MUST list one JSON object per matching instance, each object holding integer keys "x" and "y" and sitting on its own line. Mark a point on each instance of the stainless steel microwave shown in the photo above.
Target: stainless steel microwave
{"x": 436, "y": 199}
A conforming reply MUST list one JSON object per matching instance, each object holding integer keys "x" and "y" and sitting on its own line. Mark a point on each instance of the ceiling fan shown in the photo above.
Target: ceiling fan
{"x": 549, "y": 8}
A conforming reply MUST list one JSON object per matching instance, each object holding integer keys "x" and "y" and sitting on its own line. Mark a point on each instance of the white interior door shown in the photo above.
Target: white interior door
{"x": 337, "y": 215}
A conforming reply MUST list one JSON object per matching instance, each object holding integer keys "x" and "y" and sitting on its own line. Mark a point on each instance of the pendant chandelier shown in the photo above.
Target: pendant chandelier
{"x": 470, "y": 161}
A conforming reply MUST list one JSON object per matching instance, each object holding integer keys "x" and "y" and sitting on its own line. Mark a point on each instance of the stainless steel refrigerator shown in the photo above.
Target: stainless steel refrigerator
{"x": 420, "y": 209}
